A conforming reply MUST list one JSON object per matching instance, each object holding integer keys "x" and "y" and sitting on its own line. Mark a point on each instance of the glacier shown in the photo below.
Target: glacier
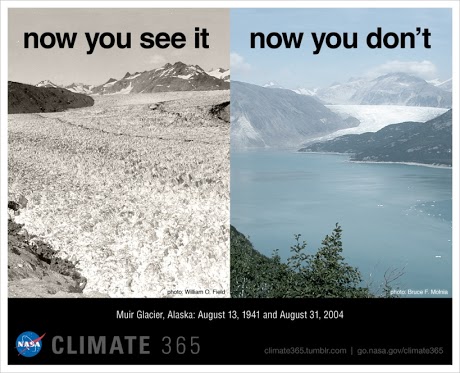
{"x": 374, "y": 117}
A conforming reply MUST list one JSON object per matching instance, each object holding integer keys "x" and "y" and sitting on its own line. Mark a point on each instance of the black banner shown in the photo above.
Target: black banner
{"x": 230, "y": 331}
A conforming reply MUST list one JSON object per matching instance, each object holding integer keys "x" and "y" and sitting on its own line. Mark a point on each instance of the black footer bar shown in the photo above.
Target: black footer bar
{"x": 230, "y": 331}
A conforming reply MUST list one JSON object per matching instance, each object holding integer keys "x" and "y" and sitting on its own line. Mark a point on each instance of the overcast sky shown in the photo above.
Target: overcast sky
{"x": 300, "y": 68}
{"x": 64, "y": 66}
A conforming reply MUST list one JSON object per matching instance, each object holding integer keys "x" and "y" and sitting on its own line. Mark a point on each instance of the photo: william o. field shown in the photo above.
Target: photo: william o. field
{"x": 118, "y": 159}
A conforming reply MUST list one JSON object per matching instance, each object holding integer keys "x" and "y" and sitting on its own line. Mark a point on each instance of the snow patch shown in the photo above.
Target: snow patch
{"x": 166, "y": 72}
{"x": 272, "y": 85}
{"x": 133, "y": 76}
{"x": 220, "y": 74}
{"x": 305, "y": 91}
{"x": 109, "y": 84}
{"x": 184, "y": 76}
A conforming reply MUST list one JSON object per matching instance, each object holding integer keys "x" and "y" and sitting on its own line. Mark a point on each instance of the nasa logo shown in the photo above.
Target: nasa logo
{"x": 29, "y": 344}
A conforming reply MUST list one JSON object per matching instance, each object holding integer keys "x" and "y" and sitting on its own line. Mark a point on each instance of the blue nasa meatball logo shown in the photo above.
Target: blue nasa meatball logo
{"x": 29, "y": 344}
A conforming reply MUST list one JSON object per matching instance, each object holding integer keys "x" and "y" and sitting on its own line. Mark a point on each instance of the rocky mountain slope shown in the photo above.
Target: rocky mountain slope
{"x": 34, "y": 268}
{"x": 445, "y": 85}
{"x": 402, "y": 89}
{"x": 427, "y": 143}
{"x": 278, "y": 118}
{"x": 169, "y": 78}
{"x": 24, "y": 98}
{"x": 341, "y": 93}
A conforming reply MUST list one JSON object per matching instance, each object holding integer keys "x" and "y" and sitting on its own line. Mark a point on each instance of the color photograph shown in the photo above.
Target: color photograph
{"x": 341, "y": 153}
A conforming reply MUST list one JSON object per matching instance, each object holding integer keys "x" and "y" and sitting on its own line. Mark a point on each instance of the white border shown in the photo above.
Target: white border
{"x": 453, "y": 4}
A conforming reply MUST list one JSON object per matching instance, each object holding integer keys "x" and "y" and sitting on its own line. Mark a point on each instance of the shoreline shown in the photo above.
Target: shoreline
{"x": 383, "y": 162}
{"x": 407, "y": 164}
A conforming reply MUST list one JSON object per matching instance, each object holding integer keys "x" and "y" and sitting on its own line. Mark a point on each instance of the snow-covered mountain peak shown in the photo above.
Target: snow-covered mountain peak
{"x": 220, "y": 73}
{"x": 46, "y": 84}
{"x": 272, "y": 84}
{"x": 306, "y": 91}
{"x": 445, "y": 85}
{"x": 170, "y": 77}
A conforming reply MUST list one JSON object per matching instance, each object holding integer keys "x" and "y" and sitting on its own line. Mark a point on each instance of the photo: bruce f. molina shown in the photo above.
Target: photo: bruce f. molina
{"x": 341, "y": 162}
{"x": 118, "y": 160}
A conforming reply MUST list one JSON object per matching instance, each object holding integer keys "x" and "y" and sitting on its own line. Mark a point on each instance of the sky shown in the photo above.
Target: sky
{"x": 65, "y": 66}
{"x": 300, "y": 68}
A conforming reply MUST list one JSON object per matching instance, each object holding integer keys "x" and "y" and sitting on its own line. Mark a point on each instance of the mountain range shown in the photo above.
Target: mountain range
{"x": 445, "y": 85}
{"x": 278, "y": 118}
{"x": 220, "y": 73}
{"x": 427, "y": 143}
{"x": 389, "y": 89}
{"x": 170, "y": 77}
{"x": 80, "y": 88}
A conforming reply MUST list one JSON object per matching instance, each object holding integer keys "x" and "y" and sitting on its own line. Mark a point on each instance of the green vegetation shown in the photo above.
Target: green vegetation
{"x": 323, "y": 274}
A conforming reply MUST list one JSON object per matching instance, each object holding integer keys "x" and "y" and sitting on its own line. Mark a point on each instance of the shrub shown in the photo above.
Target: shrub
{"x": 323, "y": 274}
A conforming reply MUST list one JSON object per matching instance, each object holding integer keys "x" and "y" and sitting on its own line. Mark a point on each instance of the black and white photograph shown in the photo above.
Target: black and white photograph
{"x": 118, "y": 153}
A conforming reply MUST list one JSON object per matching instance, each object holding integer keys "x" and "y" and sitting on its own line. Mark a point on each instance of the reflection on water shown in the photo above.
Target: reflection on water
{"x": 436, "y": 209}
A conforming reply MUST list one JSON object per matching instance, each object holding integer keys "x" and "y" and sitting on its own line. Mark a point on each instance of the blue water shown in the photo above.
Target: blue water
{"x": 393, "y": 216}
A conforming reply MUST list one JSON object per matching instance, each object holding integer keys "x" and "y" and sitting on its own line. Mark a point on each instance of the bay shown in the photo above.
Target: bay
{"x": 393, "y": 216}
